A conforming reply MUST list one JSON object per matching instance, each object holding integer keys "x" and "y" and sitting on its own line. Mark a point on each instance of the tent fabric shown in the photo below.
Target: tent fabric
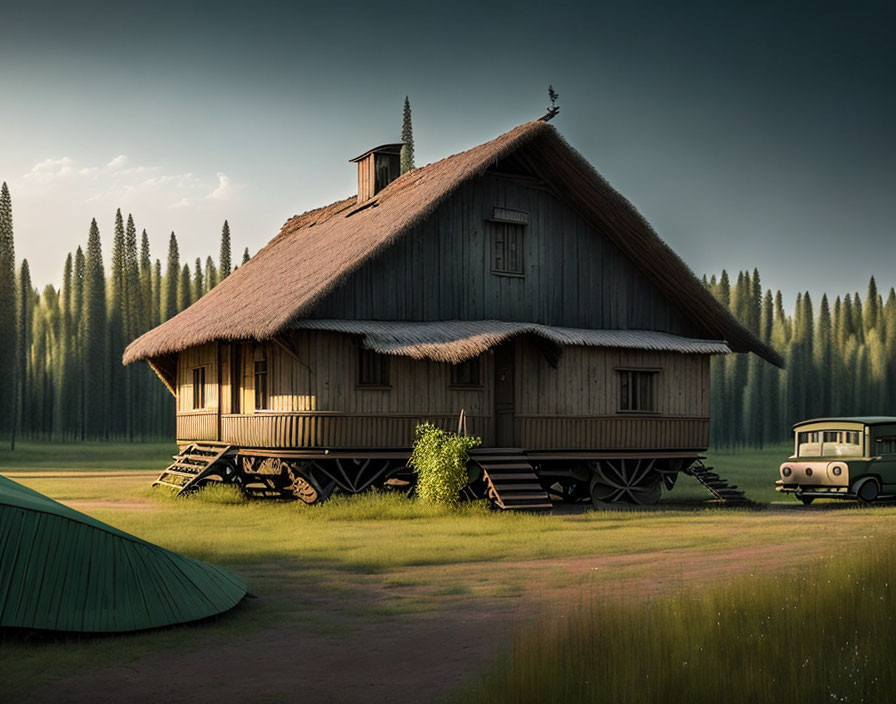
{"x": 62, "y": 570}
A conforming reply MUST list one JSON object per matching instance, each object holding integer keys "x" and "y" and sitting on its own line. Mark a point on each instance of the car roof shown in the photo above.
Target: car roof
{"x": 865, "y": 420}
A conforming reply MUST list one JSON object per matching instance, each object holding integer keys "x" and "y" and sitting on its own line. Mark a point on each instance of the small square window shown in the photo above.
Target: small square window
{"x": 637, "y": 390}
{"x": 373, "y": 368}
{"x": 198, "y": 388}
{"x": 466, "y": 373}
{"x": 507, "y": 248}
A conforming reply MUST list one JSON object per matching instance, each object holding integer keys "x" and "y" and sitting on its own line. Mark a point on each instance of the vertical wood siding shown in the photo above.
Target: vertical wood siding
{"x": 574, "y": 276}
{"x": 315, "y": 400}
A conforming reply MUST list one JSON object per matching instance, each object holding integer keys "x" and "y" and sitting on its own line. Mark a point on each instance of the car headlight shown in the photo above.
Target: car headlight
{"x": 837, "y": 470}
{"x": 786, "y": 471}
{"x": 808, "y": 471}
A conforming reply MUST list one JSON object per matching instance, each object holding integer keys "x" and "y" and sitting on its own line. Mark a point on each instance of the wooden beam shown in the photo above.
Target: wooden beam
{"x": 286, "y": 345}
{"x": 168, "y": 379}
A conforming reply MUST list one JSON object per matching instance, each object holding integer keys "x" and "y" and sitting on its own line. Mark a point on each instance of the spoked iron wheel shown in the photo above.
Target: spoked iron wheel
{"x": 632, "y": 480}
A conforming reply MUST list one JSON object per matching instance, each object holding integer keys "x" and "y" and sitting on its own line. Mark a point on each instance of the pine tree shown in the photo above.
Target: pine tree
{"x": 8, "y": 322}
{"x": 858, "y": 319}
{"x": 95, "y": 346}
{"x": 198, "y": 283}
{"x": 158, "y": 293}
{"x": 771, "y": 411}
{"x": 889, "y": 318}
{"x": 823, "y": 359}
{"x": 68, "y": 394}
{"x": 117, "y": 310}
{"x": 211, "y": 274}
{"x": 246, "y": 256}
{"x": 225, "y": 251}
{"x": 718, "y": 374}
{"x": 77, "y": 313}
{"x": 25, "y": 310}
{"x": 184, "y": 289}
{"x": 407, "y": 138}
{"x": 172, "y": 278}
{"x": 872, "y": 312}
{"x": 133, "y": 287}
{"x": 150, "y": 310}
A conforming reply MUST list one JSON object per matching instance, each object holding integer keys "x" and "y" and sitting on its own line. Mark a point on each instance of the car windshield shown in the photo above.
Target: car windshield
{"x": 830, "y": 443}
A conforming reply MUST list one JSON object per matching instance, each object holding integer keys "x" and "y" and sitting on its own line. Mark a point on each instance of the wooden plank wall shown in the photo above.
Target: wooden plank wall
{"x": 316, "y": 402}
{"x": 574, "y": 276}
{"x": 586, "y": 383}
{"x": 204, "y": 355}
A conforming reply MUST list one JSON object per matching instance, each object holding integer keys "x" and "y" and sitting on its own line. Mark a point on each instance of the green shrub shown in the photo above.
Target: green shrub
{"x": 440, "y": 459}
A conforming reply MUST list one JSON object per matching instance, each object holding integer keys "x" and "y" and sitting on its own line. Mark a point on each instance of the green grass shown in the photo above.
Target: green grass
{"x": 824, "y": 635}
{"x": 31, "y": 455}
{"x": 382, "y": 556}
{"x": 753, "y": 470}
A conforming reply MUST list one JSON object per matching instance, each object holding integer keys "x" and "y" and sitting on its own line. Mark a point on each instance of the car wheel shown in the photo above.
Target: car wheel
{"x": 867, "y": 489}
{"x": 806, "y": 500}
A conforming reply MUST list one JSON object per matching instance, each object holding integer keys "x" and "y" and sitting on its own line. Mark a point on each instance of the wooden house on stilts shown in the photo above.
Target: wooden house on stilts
{"x": 509, "y": 281}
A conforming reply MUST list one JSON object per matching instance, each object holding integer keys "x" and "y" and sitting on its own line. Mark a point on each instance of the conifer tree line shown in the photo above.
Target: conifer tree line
{"x": 840, "y": 361}
{"x": 62, "y": 377}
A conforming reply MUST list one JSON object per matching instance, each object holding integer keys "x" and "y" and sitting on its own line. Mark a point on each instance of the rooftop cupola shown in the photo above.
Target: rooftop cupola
{"x": 377, "y": 168}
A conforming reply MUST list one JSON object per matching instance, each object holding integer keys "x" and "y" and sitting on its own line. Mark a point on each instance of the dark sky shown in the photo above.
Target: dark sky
{"x": 749, "y": 134}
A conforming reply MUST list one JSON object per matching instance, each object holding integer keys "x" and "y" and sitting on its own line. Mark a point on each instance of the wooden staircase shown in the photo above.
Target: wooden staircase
{"x": 191, "y": 466}
{"x": 512, "y": 483}
{"x": 718, "y": 487}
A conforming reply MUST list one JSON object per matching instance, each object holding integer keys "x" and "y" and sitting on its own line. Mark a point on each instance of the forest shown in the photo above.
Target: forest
{"x": 62, "y": 379}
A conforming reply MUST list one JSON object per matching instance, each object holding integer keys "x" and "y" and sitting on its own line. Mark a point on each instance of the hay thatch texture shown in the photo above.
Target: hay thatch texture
{"x": 315, "y": 252}
{"x": 457, "y": 340}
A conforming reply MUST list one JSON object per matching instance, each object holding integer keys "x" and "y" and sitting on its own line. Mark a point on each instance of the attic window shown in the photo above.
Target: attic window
{"x": 507, "y": 248}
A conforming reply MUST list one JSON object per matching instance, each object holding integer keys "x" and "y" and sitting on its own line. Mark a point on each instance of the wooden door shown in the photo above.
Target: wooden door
{"x": 505, "y": 358}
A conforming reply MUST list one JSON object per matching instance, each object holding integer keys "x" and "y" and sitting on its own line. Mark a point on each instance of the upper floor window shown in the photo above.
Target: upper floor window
{"x": 466, "y": 373}
{"x": 198, "y": 388}
{"x": 261, "y": 383}
{"x": 637, "y": 390}
{"x": 507, "y": 228}
{"x": 373, "y": 368}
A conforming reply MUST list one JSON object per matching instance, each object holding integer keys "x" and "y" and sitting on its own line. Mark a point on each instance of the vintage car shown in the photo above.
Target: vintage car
{"x": 842, "y": 458}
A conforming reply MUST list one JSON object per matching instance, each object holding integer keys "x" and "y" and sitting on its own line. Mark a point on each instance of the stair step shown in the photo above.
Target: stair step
{"x": 512, "y": 477}
{"x": 179, "y": 473}
{"x": 506, "y": 489}
{"x": 526, "y": 496}
{"x": 164, "y": 483}
{"x": 505, "y": 468}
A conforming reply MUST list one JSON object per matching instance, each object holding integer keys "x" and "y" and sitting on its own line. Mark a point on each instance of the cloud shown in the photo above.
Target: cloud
{"x": 119, "y": 183}
{"x": 50, "y": 169}
{"x": 225, "y": 189}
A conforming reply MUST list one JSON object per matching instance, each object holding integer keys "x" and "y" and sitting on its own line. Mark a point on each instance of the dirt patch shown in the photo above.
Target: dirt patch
{"x": 365, "y": 658}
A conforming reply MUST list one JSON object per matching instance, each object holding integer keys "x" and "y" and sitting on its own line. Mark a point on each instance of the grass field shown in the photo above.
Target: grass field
{"x": 824, "y": 635}
{"x": 366, "y": 582}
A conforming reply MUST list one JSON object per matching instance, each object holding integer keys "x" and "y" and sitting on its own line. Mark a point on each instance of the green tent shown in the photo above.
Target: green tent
{"x": 64, "y": 571}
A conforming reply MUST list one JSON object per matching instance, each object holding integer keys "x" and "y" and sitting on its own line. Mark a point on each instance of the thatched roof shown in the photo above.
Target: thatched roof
{"x": 316, "y": 251}
{"x": 458, "y": 340}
